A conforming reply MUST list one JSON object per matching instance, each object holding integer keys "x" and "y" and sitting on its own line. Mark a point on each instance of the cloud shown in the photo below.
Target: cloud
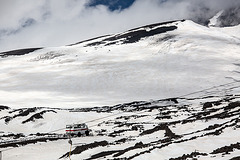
{"x": 28, "y": 23}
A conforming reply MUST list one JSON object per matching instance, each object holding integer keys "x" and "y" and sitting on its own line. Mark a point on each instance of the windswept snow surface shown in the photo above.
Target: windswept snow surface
{"x": 199, "y": 66}
{"x": 189, "y": 58}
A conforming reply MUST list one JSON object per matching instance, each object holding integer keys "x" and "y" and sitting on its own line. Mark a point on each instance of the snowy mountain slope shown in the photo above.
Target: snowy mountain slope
{"x": 197, "y": 67}
{"x": 203, "y": 125}
{"x": 152, "y": 62}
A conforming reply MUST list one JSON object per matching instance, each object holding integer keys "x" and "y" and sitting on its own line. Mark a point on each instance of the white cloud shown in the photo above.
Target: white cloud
{"x": 62, "y": 22}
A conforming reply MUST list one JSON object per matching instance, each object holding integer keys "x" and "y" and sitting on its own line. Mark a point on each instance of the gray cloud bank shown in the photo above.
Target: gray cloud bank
{"x": 30, "y": 23}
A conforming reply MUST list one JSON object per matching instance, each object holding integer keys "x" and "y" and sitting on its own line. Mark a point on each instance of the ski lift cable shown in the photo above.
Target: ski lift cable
{"x": 96, "y": 120}
{"x": 84, "y": 122}
{"x": 182, "y": 96}
{"x": 221, "y": 85}
{"x": 90, "y": 121}
{"x": 144, "y": 111}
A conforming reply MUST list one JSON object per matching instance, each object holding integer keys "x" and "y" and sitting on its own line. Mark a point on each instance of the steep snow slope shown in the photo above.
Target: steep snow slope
{"x": 151, "y": 62}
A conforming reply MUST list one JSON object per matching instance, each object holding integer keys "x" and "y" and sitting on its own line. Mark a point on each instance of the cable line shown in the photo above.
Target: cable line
{"x": 207, "y": 89}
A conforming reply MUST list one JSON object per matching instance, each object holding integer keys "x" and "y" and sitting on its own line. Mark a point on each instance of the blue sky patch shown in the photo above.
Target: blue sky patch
{"x": 112, "y": 4}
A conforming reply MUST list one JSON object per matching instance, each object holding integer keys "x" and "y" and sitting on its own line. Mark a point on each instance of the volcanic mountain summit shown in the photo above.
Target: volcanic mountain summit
{"x": 162, "y": 91}
{"x": 150, "y": 62}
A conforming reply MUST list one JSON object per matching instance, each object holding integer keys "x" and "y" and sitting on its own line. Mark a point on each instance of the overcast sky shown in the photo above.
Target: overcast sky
{"x": 43, "y": 23}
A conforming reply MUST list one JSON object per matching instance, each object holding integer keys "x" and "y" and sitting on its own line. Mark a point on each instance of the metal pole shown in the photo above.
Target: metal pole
{"x": 70, "y": 142}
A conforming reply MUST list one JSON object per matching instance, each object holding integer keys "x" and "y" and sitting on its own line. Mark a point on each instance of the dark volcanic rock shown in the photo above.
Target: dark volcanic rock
{"x": 22, "y": 113}
{"x": 26, "y": 112}
{"x": 156, "y": 24}
{"x": 155, "y": 129}
{"x": 232, "y": 105}
{"x": 102, "y": 154}
{"x": 14, "y": 136}
{"x": 117, "y": 133}
{"x": 37, "y": 116}
{"x": 7, "y": 119}
{"x": 207, "y": 105}
{"x": 186, "y": 156}
{"x": 136, "y": 34}
{"x": 235, "y": 158}
{"x": 227, "y": 149}
{"x": 80, "y": 149}
{"x": 18, "y": 52}
{"x": 163, "y": 117}
{"x": 4, "y": 107}
{"x": 230, "y": 17}
{"x": 136, "y": 146}
{"x": 168, "y": 132}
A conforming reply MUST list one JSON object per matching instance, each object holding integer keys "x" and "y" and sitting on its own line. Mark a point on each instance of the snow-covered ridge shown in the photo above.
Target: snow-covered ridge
{"x": 161, "y": 65}
{"x": 134, "y": 35}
